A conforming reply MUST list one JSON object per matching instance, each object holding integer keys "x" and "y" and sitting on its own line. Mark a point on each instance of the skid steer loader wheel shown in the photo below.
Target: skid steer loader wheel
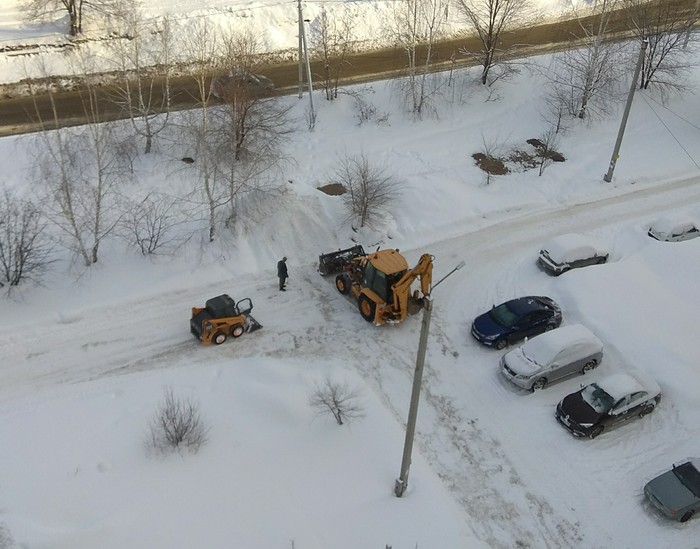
{"x": 237, "y": 330}
{"x": 342, "y": 283}
{"x": 219, "y": 338}
{"x": 367, "y": 308}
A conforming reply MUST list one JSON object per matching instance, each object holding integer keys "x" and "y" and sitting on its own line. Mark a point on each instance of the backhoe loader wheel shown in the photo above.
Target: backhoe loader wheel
{"x": 367, "y": 308}
{"x": 342, "y": 283}
{"x": 219, "y": 338}
{"x": 237, "y": 330}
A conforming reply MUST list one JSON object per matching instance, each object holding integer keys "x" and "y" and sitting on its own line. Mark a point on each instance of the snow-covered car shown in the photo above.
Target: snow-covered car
{"x": 571, "y": 251}
{"x": 676, "y": 493}
{"x": 227, "y": 86}
{"x": 669, "y": 228}
{"x": 551, "y": 356}
{"x": 608, "y": 403}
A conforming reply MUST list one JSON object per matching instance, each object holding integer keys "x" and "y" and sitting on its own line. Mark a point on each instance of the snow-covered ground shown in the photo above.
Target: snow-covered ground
{"x": 85, "y": 357}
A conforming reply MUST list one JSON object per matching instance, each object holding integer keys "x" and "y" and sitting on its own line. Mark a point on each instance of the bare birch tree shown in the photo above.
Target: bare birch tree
{"x": 201, "y": 47}
{"x": 414, "y": 23}
{"x": 75, "y": 9}
{"x": 490, "y": 20}
{"x": 585, "y": 76}
{"x": 331, "y": 42}
{"x": 144, "y": 90}
{"x": 80, "y": 170}
{"x": 369, "y": 188}
{"x": 250, "y": 127}
{"x": 664, "y": 25}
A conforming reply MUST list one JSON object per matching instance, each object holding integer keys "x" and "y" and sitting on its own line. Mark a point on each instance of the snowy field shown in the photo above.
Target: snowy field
{"x": 85, "y": 357}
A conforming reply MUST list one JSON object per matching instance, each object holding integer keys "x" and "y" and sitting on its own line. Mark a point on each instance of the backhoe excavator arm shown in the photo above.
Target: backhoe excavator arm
{"x": 402, "y": 289}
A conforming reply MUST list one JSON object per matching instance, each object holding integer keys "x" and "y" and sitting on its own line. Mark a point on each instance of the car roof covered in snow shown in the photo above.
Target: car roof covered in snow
{"x": 626, "y": 383}
{"x": 573, "y": 246}
{"x": 546, "y": 347}
{"x": 673, "y": 224}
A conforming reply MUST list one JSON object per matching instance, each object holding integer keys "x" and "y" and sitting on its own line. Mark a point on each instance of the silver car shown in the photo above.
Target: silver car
{"x": 551, "y": 356}
{"x": 676, "y": 493}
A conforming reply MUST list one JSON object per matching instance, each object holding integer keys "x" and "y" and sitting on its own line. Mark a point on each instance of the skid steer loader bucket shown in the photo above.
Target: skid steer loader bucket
{"x": 337, "y": 262}
{"x": 251, "y": 325}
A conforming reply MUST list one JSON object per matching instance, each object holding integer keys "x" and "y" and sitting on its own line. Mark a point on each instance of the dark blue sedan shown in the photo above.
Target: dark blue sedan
{"x": 515, "y": 320}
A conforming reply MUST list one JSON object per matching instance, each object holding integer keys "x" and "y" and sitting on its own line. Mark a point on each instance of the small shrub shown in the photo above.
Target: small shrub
{"x": 338, "y": 400}
{"x": 554, "y": 156}
{"x": 6, "y": 541}
{"x": 490, "y": 164}
{"x": 527, "y": 160}
{"x": 177, "y": 424}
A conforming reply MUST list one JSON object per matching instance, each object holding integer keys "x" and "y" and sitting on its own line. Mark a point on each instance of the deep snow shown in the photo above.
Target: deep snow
{"x": 85, "y": 358}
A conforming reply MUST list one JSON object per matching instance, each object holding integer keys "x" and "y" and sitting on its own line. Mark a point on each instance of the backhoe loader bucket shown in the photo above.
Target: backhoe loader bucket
{"x": 337, "y": 262}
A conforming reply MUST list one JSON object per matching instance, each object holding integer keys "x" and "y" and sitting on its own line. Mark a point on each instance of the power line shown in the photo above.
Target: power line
{"x": 675, "y": 114}
{"x": 670, "y": 132}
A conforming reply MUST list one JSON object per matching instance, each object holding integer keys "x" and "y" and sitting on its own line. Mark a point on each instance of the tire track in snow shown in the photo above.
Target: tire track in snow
{"x": 152, "y": 333}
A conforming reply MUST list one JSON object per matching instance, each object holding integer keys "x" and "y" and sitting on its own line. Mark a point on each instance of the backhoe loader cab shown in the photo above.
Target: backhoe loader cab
{"x": 381, "y": 283}
{"x": 221, "y": 317}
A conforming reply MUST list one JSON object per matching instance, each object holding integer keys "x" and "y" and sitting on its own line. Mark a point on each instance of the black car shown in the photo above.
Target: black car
{"x": 608, "y": 403}
{"x": 515, "y": 320}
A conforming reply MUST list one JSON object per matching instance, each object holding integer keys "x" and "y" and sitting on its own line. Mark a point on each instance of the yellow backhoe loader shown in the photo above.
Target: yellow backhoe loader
{"x": 380, "y": 282}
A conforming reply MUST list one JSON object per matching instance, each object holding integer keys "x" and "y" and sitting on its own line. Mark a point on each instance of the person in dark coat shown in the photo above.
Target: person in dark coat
{"x": 282, "y": 273}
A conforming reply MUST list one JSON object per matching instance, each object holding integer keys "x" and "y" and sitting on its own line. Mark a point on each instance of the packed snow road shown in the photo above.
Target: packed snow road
{"x": 521, "y": 479}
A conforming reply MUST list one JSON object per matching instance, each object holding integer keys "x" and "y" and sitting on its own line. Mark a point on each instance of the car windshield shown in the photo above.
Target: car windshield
{"x": 503, "y": 315}
{"x": 597, "y": 399}
{"x": 689, "y": 476}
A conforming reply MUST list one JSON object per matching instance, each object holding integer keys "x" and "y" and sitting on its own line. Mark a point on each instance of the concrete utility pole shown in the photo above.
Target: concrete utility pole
{"x": 301, "y": 33}
{"x": 691, "y": 23}
{"x": 633, "y": 87}
{"x": 308, "y": 70}
{"x": 402, "y": 481}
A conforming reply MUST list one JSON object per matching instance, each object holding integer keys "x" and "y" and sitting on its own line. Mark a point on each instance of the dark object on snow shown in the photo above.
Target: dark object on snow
{"x": 222, "y": 317}
{"x": 337, "y": 262}
{"x": 282, "y": 273}
{"x": 188, "y": 160}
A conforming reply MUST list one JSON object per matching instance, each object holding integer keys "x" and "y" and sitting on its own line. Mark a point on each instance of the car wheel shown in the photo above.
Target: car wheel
{"x": 549, "y": 327}
{"x": 588, "y": 366}
{"x": 501, "y": 344}
{"x": 219, "y": 338}
{"x": 367, "y": 307}
{"x": 539, "y": 384}
{"x": 342, "y": 283}
{"x": 648, "y": 409}
{"x": 687, "y": 516}
{"x": 237, "y": 330}
{"x": 597, "y": 431}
